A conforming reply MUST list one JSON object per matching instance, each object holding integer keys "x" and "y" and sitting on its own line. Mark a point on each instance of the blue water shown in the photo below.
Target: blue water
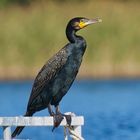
{"x": 111, "y": 108}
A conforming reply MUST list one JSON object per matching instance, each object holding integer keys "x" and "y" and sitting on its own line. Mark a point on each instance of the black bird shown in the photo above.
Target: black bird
{"x": 57, "y": 75}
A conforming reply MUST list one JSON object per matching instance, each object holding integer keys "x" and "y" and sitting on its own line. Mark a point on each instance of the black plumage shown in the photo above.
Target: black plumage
{"x": 57, "y": 75}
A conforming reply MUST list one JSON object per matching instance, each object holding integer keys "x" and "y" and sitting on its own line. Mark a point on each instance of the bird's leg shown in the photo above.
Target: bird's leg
{"x": 57, "y": 110}
{"x": 68, "y": 117}
{"x": 50, "y": 110}
{"x": 58, "y": 117}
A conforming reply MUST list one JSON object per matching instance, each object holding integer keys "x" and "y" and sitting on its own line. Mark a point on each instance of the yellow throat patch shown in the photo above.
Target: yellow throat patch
{"x": 82, "y": 24}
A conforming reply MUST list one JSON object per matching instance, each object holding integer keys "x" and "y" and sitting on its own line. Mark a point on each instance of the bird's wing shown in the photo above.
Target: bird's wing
{"x": 47, "y": 73}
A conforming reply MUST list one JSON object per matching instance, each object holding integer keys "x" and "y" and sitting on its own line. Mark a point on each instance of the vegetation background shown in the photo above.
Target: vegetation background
{"x": 31, "y": 31}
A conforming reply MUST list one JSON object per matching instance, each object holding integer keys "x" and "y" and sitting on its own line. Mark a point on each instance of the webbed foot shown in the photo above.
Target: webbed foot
{"x": 68, "y": 119}
{"x": 57, "y": 120}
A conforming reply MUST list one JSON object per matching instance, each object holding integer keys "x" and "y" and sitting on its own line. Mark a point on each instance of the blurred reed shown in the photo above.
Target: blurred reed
{"x": 30, "y": 35}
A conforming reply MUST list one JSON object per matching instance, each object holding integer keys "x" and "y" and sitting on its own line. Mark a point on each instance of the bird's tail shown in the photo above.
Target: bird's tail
{"x": 18, "y": 130}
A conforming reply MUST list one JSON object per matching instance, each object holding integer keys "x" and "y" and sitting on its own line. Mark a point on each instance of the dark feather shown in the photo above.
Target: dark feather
{"x": 47, "y": 73}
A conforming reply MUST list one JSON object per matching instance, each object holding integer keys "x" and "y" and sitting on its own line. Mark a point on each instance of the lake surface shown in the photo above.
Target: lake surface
{"x": 111, "y": 108}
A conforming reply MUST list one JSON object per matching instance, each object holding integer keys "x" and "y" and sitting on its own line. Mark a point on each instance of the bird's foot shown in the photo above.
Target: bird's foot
{"x": 57, "y": 120}
{"x": 68, "y": 119}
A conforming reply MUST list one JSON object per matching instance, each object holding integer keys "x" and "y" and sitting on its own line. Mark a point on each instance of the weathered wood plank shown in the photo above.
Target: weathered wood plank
{"x": 37, "y": 121}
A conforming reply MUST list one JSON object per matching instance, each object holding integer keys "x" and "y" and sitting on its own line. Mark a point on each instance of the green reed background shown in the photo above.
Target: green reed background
{"x": 31, "y": 34}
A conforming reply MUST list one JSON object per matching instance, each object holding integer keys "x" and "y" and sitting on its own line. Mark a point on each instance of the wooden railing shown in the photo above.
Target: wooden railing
{"x": 75, "y": 131}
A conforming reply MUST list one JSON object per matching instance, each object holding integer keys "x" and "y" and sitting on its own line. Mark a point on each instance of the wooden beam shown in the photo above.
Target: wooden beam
{"x": 37, "y": 121}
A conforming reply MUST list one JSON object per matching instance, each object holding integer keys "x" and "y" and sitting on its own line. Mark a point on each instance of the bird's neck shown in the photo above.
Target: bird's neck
{"x": 71, "y": 35}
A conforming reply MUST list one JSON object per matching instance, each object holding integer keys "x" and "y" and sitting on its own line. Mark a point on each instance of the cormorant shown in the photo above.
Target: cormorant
{"x": 57, "y": 75}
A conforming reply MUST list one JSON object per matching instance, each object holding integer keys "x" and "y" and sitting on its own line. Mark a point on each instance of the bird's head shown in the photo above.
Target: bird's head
{"x": 76, "y": 24}
{"x": 81, "y": 22}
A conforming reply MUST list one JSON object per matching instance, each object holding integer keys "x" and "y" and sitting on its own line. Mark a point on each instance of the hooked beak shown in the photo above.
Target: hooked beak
{"x": 83, "y": 24}
{"x": 93, "y": 21}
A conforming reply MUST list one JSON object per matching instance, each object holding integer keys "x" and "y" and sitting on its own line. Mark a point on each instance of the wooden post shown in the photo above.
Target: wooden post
{"x": 6, "y": 132}
{"x": 77, "y": 130}
{"x": 65, "y": 134}
{"x": 8, "y": 122}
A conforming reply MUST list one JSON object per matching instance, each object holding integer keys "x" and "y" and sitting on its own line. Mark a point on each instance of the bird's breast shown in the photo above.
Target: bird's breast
{"x": 67, "y": 74}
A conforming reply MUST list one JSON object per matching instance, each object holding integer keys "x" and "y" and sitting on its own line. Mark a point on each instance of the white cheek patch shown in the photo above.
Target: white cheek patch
{"x": 76, "y": 25}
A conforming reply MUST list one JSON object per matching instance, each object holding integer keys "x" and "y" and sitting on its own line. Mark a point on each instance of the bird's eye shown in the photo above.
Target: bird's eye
{"x": 82, "y": 20}
{"x": 75, "y": 24}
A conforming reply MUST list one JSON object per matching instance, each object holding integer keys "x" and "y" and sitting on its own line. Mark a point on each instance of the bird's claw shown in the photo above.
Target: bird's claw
{"x": 57, "y": 120}
{"x": 68, "y": 119}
